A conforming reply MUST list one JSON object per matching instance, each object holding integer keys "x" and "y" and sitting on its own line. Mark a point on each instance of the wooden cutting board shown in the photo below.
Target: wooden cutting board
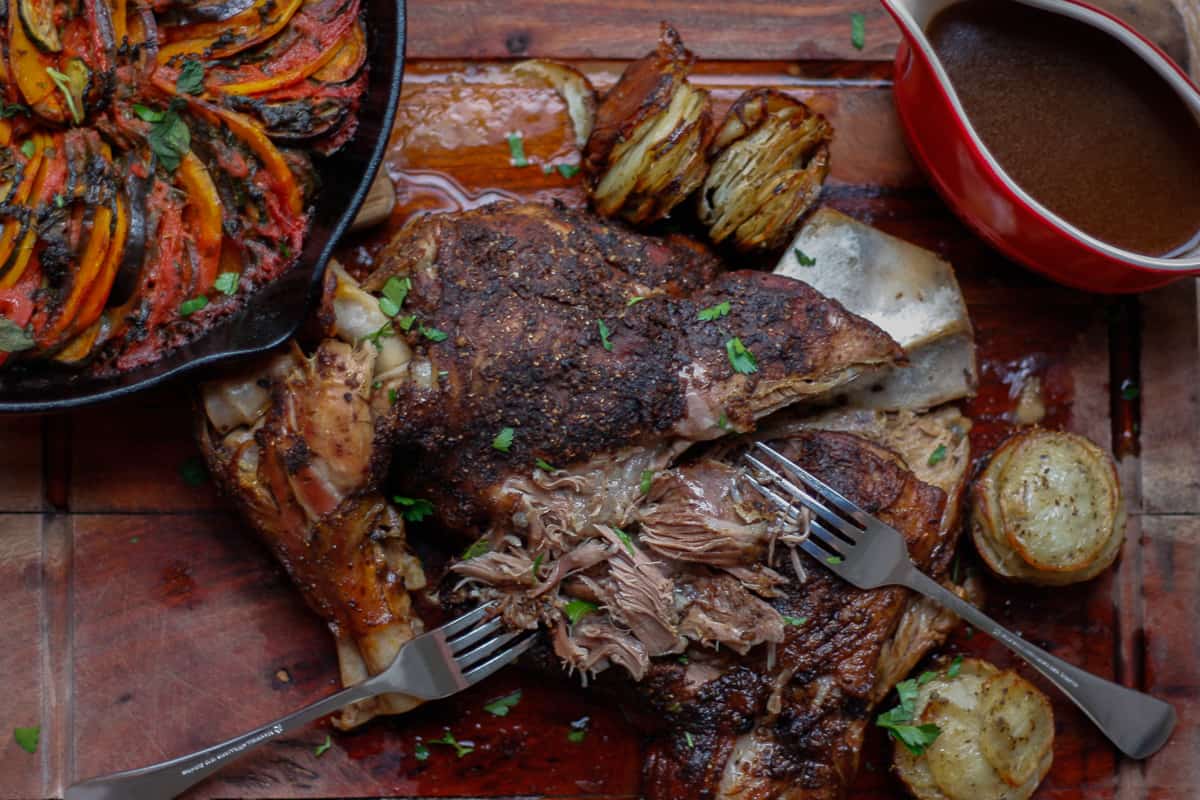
{"x": 140, "y": 619}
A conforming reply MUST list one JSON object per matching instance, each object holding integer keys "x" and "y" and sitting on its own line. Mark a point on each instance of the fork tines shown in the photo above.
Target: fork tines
{"x": 478, "y": 646}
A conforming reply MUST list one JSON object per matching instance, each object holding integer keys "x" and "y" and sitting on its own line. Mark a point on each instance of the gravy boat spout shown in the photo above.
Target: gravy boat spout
{"x": 948, "y": 148}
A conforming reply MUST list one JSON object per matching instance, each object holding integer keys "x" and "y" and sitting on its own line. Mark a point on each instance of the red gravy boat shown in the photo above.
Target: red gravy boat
{"x": 967, "y": 175}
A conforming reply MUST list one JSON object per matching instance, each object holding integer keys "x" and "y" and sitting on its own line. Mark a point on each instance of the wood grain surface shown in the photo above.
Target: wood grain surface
{"x": 141, "y": 620}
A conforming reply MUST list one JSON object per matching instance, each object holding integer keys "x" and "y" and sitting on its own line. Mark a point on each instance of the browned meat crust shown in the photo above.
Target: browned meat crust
{"x": 748, "y": 729}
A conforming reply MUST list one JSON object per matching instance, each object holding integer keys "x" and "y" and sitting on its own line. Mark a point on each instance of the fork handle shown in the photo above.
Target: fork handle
{"x": 170, "y": 778}
{"x": 1135, "y": 722}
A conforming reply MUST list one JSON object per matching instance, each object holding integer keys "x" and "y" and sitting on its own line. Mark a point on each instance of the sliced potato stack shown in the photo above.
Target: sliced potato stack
{"x": 1048, "y": 509}
{"x": 994, "y": 741}
{"x": 769, "y": 161}
{"x": 647, "y": 152}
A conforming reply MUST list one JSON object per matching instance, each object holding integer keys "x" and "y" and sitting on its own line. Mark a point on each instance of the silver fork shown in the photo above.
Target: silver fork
{"x": 433, "y": 665}
{"x": 868, "y": 554}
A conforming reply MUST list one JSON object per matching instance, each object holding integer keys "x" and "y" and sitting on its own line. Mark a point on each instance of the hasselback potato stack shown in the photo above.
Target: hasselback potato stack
{"x": 154, "y": 163}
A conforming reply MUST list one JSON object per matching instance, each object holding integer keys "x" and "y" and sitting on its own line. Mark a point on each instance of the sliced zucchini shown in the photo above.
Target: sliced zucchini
{"x": 37, "y": 18}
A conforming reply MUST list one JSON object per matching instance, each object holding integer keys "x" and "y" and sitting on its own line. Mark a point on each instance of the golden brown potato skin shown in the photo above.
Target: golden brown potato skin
{"x": 1047, "y": 509}
{"x": 648, "y": 149}
{"x": 769, "y": 161}
{"x": 996, "y": 739}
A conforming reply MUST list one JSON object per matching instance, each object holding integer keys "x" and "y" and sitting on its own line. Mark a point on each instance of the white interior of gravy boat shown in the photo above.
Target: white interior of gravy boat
{"x": 914, "y": 17}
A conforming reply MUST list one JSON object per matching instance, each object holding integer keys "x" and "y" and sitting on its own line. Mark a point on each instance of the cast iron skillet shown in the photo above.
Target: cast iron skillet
{"x": 273, "y": 314}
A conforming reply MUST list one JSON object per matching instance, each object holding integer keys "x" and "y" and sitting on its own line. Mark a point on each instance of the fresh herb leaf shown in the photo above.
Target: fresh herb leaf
{"x": 420, "y": 751}
{"x": 460, "y": 748}
{"x": 323, "y": 747}
{"x": 687, "y": 737}
{"x": 64, "y": 85}
{"x": 955, "y": 666}
{"x": 414, "y": 509}
{"x": 12, "y": 109}
{"x": 604, "y": 334}
{"x": 169, "y": 136}
{"x": 795, "y": 622}
{"x": 504, "y": 439}
{"x": 406, "y": 323}
{"x": 938, "y": 455}
{"x": 227, "y": 283}
{"x": 59, "y": 200}
{"x": 477, "y": 549}
{"x": 1129, "y": 390}
{"x": 189, "y": 307}
{"x": 28, "y": 148}
{"x": 578, "y": 609}
{"x": 579, "y": 729}
{"x": 834, "y": 560}
{"x": 916, "y": 738}
{"x": 395, "y": 292}
{"x": 285, "y": 250}
{"x": 568, "y": 170}
{"x": 147, "y": 114}
{"x": 633, "y": 301}
{"x": 898, "y": 721}
{"x": 385, "y": 330}
{"x": 27, "y": 738}
{"x": 376, "y": 385}
{"x": 191, "y": 77}
{"x": 802, "y": 259}
{"x": 858, "y": 30}
{"x": 502, "y": 705}
{"x": 193, "y": 472}
{"x": 392, "y": 396}
{"x": 537, "y": 565}
{"x": 907, "y": 692}
{"x": 647, "y": 480}
{"x": 434, "y": 335}
{"x": 723, "y": 422}
{"x": 925, "y": 677}
{"x": 516, "y": 149}
{"x": 714, "y": 312}
{"x": 544, "y": 465}
{"x": 14, "y": 338}
{"x": 624, "y": 537}
{"x": 683, "y": 659}
{"x": 741, "y": 359}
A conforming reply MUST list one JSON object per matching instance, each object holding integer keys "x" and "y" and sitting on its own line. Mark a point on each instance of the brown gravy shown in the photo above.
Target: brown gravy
{"x": 1078, "y": 120}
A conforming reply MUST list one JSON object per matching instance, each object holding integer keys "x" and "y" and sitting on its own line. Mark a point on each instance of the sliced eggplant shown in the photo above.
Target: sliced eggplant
{"x": 129, "y": 270}
{"x": 37, "y": 19}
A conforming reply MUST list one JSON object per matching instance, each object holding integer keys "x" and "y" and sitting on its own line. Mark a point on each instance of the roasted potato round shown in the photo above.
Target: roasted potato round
{"x": 769, "y": 161}
{"x": 1047, "y": 509}
{"x": 647, "y": 151}
{"x": 995, "y": 736}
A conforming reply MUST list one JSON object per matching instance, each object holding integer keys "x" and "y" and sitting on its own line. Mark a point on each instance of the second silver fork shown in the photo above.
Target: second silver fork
{"x": 433, "y": 665}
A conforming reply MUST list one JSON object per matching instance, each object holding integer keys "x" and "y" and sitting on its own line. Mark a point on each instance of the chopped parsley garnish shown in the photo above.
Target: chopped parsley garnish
{"x": 537, "y": 565}
{"x": 502, "y": 705}
{"x": 64, "y": 85}
{"x": 795, "y": 622}
{"x": 544, "y": 465}
{"x": 925, "y": 677}
{"x": 377, "y": 385}
{"x": 28, "y": 148}
{"x": 193, "y": 471}
{"x": 504, "y": 439}
{"x": 834, "y": 560}
{"x": 516, "y": 149}
{"x": 395, "y": 292}
{"x": 14, "y": 338}
{"x": 633, "y": 301}
{"x": 604, "y": 334}
{"x": 460, "y": 748}
{"x": 683, "y": 659}
{"x": 191, "y": 77}
{"x": 392, "y": 396}
{"x": 579, "y": 729}
{"x": 285, "y": 250}
{"x": 568, "y": 170}
{"x": 898, "y": 721}
{"x": 420, "y": 751}
{"x": 578, "y": 609}
{"x": 27, "y": 738}
{"x": 802, "y": 259}
{"x": 169, "y": 137}
{"x": 741, "y": 359}
{"x": 955, "y": 666}
{"x": 189, "y": 307}
{"x": 323, "y": 747}
{"x": 714, "y": 312}
{"x": 624, "y": 537}
{"x": 858, "y": 30}
{"x": 687, "y": 737}
{"x": 1129, "y": 390}
{"x": 406, "y": 323}
{"x": 477, "y": 549}
{"x": 938, "y": 455}
{"x": 723, "y": 422}
{"x": 384, "y": 331}
{"x": 433, "y": 334}
{"x": 413, "y": 509}
{"x": 227, "y": 283}
{"x": 647, "y": 480}
{"x": 59, "y": 200}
